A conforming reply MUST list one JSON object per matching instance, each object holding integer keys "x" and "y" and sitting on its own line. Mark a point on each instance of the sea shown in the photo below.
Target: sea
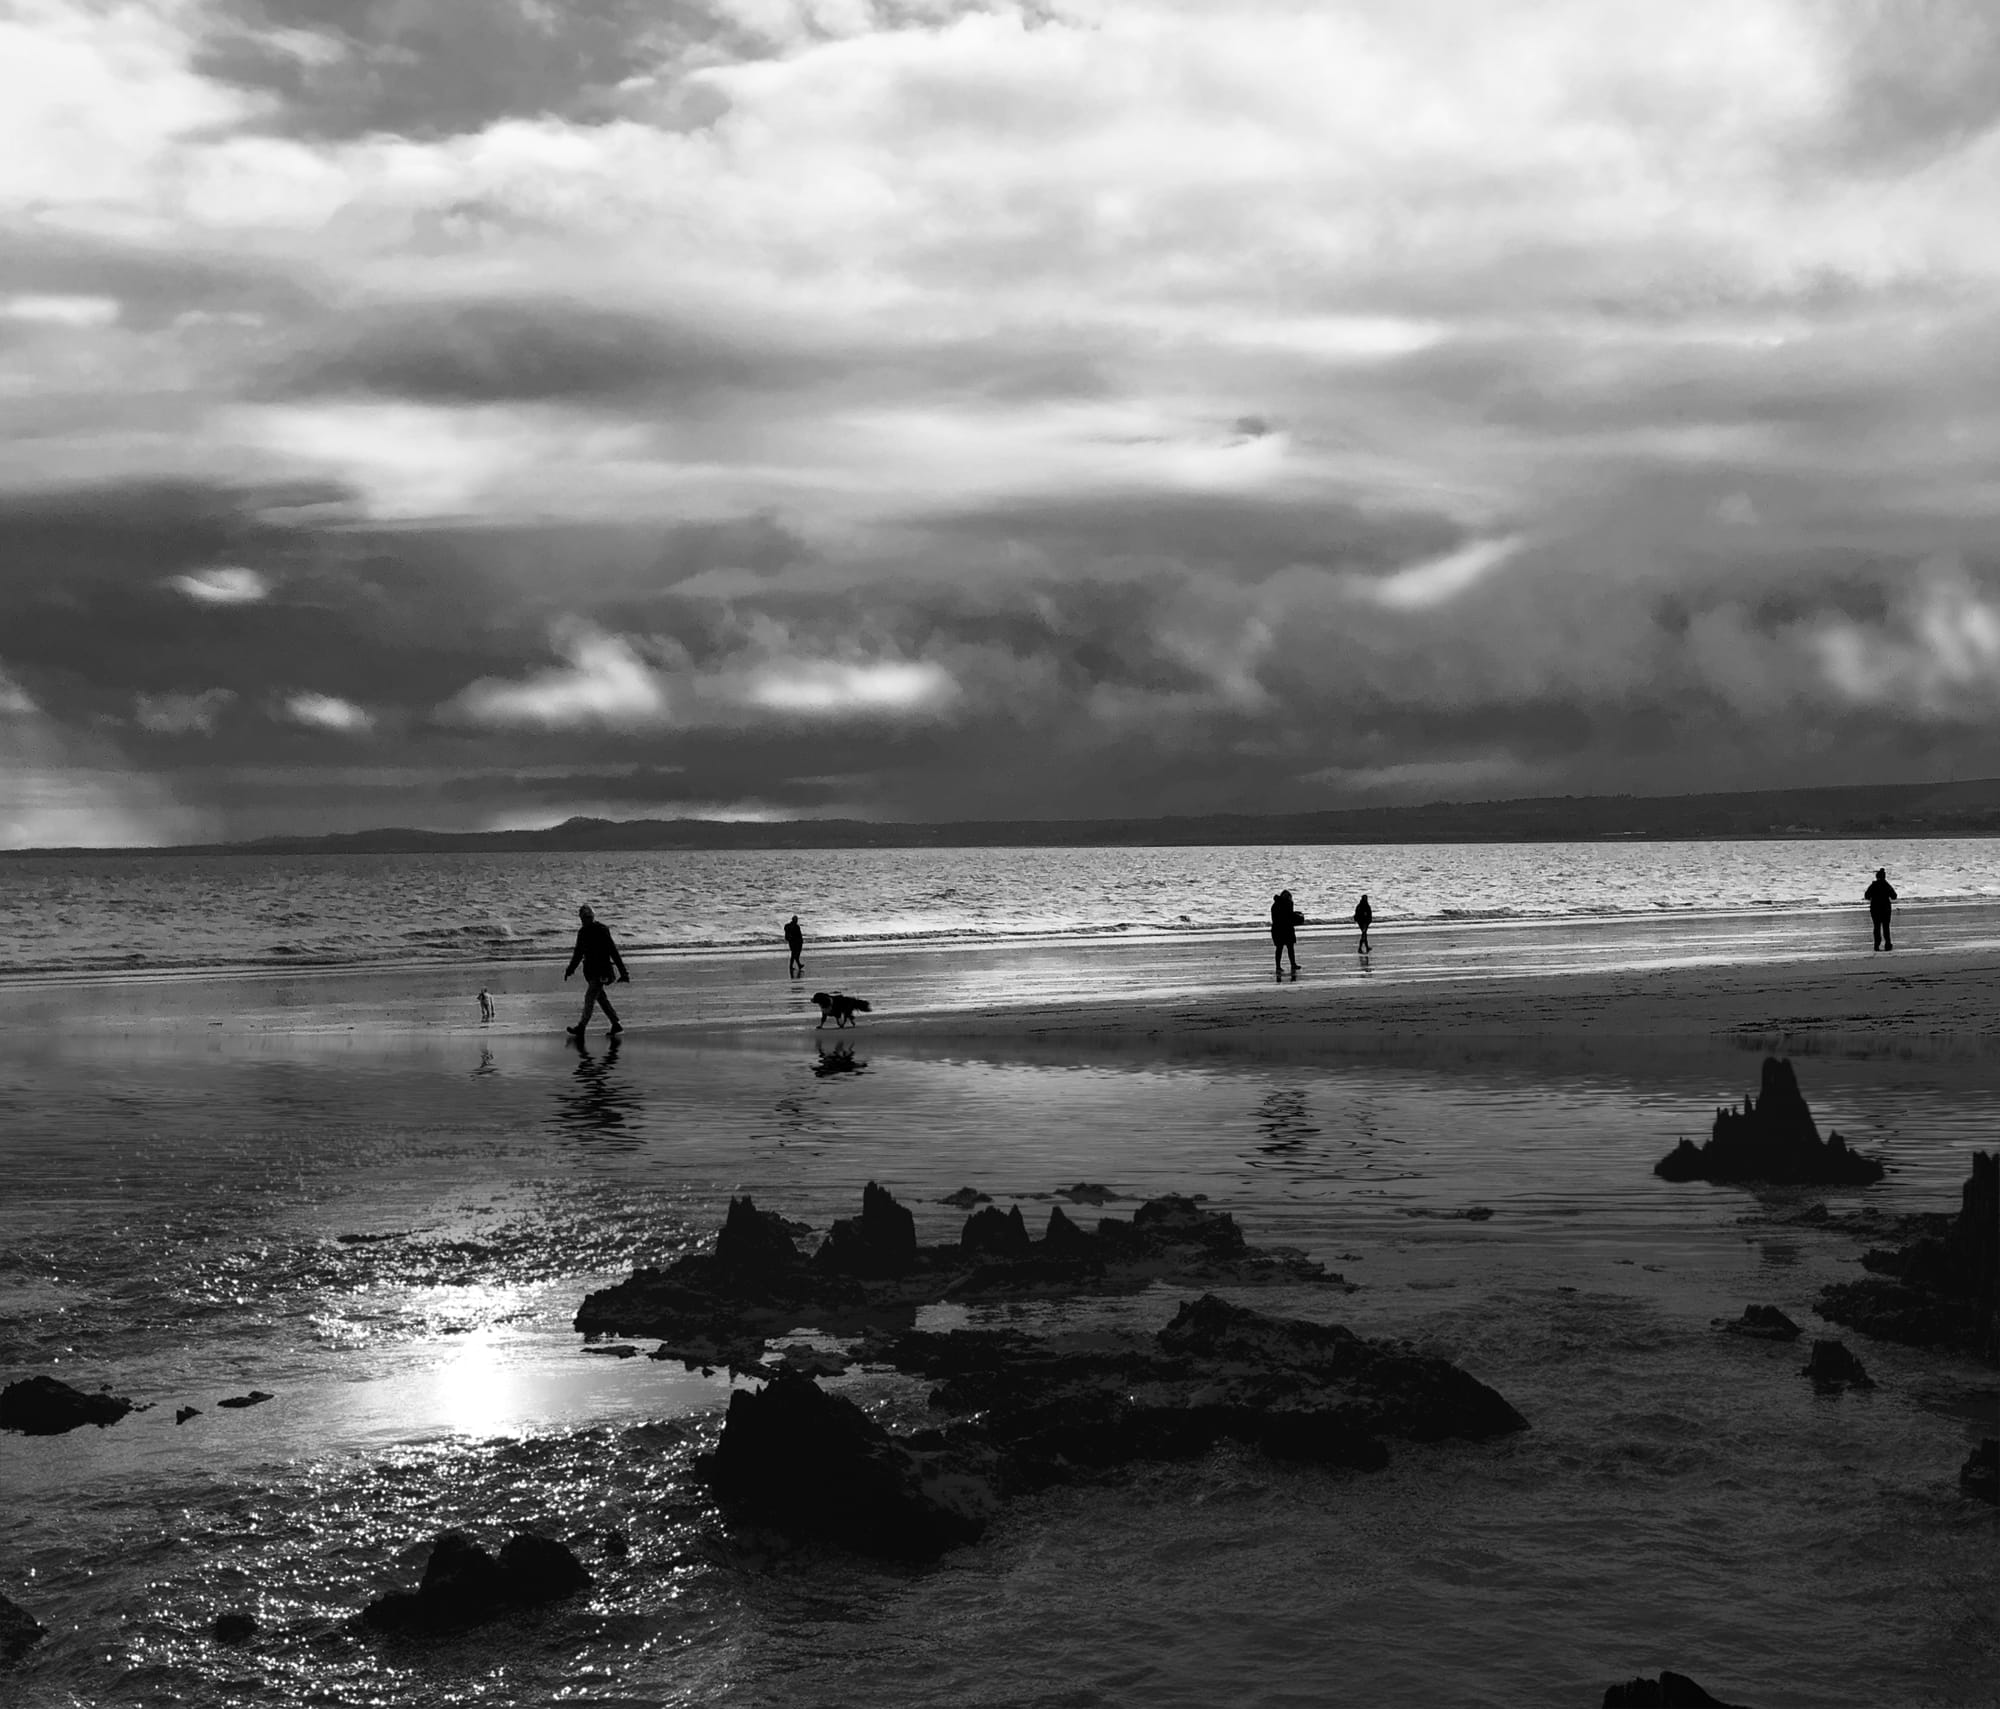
{"x": 255, "y": 1137}
{"x": 86, "y": 913}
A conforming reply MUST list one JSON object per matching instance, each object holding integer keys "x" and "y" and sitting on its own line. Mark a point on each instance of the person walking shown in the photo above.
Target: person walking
{"x": 1880, "y": 896}
{"x": 795, "y": 941}
{"x": 601, "y": 962}
{"x": 1285, "y": 922}
{"x": 1362, "y": 915}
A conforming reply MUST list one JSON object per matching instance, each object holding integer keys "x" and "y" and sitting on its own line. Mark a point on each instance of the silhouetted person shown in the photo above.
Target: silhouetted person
{"x": 795, "y": 941}
{"x": 1285, "y": 922}
{"x": 1362, "y": 915}
{"x": 1881, "y": 896}
{"x": 601, "y": 961}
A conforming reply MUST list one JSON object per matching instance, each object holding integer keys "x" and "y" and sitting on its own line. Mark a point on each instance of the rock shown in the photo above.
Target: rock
{"x": 1979, "y": 1477}
{"x": 881, "y": 1242}
{"x": 965, "y": 1198}
{"x": 20, "y": 1631}
{"x": 1765, "y": 1322}
{"x": 1670, "y": 1691}
{"x": 256, "y": 1397}
{"x": 617, "y": 1545}
{"x": 755, "y": 1247}
{"x": 614, "y": 1350}
{"x": 463, "y": 1585}
{"x": 815, "y": 1465}
{"x": 1939, "y": 1288}
{"x": 1088, "y": 1193}
{"x": 1833, "y": 1367}
{"x": 183, "y": 1413}
{"x": 1063, "y": 1239}
{"x": 992, "y": 1233}
{"x": 1772, "y": 1138}
{"x": 871, "y": 1274}
{"x": 42, "y": 1406}
{"x": 233, "y": 1628}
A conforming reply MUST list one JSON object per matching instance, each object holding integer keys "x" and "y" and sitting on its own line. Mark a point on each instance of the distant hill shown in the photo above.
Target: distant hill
{"x": 1858, "y": 810}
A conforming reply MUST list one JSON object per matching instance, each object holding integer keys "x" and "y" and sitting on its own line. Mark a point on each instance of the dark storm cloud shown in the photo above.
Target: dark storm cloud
{"x": 524, "y": 350}
{"x": 432, "y": 68}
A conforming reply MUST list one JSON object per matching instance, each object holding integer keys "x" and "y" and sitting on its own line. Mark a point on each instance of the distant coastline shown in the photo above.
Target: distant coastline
{"x": 1969, "y": 809}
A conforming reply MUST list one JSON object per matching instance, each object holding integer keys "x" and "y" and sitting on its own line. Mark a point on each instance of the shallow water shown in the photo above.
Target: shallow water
{"x": 390, "y": 1232}
{"x": 65, "y": 913}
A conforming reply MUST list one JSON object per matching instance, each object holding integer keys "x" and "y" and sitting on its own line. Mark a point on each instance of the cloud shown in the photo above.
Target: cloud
{"x": 15, "y": 701}
{"x": 222, "y": 584}
{"x": 815, "y": 688}
{"x": 329, "y": 712}
{"x": 605, "y": 685}
{"x": 73, "y": 311}
{"x": 1938, "y": 659}
{"x": 1422, "y": 586}
{"x": 182, "y": 714}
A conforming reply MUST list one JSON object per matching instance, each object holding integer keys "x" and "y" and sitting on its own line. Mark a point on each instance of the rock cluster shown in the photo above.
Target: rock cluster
{"x": 1762, "y": 1322}
{"x": 717, "y": 1308}
{"x": 1670, "y": 1691}
{"x": 464, "y": 1585}
{"x": 1939, "y": 1288}
{"x": 1773, "y": 1138}
{"x": 1027, "y": 1412}
{"x": 20, "y": 1632}
{"x": 42, "y": 1406}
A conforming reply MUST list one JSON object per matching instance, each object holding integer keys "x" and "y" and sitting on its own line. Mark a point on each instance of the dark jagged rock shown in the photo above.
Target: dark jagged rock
{"x": 965, "y": 1198}
{"x": 1764, "y": 1322}
{"x": 256, "y": 1397}
{"x": 1049, "y": 1408}
{"x": 1939, "y": 1288}
{"x": 1832, "y": 1367}
{"x": 20, "y": 1631}
{"x": 1088, "y": 1193}
{"x": 755, "y": 1247}
{"x": 1979, "y": 1477}
{"x": 234, "y": 1627}
{"x": 1772, "y": 1138}
{"x": 42, "y": 1406}
{"x": 880, "y": 1243}
{"x": 871, "y": 1274}
{"x": 1025, "y": 1412}
{"x": 815, "y": 1465}
{"x": 1670, "y": 1691}
{"x": 183, "y": 1413}
{"x": 993, "y": 1233}
{"x": 464, "y": 1585}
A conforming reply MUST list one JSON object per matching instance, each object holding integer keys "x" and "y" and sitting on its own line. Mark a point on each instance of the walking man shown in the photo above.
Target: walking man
{"x": 1880, "y": 896}
{"x": 601, "y": 963}
{"x": 795, "y": 941}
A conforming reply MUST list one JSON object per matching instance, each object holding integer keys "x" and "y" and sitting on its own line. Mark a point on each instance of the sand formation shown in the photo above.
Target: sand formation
{"x": 1020, "y": 1412}
{"x": 1027, "y": 1412}
{"x": 1772, "y": 1138}
{"x": 1939, "y": 1288}
{"x": 719, "y": 1308}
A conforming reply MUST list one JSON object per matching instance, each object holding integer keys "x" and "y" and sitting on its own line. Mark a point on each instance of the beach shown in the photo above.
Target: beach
{"x": 344, "y": 1189}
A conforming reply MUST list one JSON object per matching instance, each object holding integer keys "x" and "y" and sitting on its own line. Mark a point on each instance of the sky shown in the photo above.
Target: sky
{"x": 472, "y": 413}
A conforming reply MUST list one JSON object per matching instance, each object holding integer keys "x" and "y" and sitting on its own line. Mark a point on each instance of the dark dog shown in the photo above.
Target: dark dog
{"x": 841, "y": 1009}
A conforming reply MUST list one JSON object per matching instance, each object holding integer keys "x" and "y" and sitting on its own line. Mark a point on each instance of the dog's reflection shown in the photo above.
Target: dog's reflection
{"x": 839, "y": 1060}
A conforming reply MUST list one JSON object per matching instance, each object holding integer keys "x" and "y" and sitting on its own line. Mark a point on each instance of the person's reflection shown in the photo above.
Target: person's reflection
{"x": 485, "y": 1062}
{"x": 1283, "y": 1121}
{"x": 839, "y": 1060}
{"x": 599, "y": 1105}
